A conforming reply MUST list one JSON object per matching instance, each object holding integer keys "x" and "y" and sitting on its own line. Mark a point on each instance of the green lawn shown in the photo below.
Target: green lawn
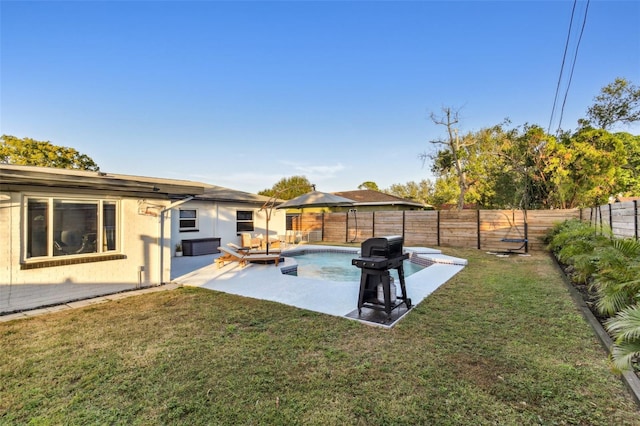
{"x": 501, "y": 343}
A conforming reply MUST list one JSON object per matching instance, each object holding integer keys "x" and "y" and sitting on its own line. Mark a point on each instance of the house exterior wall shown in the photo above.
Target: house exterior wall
{"x": 25, "y": 284}
{"x": 207, "y": 226}
{"x": 218, "y": 219}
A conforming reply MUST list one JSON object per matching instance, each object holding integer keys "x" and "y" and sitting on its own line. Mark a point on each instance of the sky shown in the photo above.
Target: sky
{"x": 242, "y": 94}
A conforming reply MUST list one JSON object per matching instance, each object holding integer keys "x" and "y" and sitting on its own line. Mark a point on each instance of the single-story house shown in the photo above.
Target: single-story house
{"x": 70, "y": 234}
{"x": 223, "y": 214}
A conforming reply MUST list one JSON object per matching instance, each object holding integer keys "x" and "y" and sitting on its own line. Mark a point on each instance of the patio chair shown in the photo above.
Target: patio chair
{"x": 246, "y": 250}
{"x": 230, "y": 255}
{"x": 248, "y": 242}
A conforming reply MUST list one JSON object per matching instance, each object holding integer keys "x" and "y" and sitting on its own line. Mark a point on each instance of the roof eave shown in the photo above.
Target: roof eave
{"x": 16, "y": 179}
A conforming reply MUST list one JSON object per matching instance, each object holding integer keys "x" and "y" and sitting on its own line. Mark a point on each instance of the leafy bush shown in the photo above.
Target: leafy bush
{"x": 573, "y": 242}
{"x": 612, "y": 268}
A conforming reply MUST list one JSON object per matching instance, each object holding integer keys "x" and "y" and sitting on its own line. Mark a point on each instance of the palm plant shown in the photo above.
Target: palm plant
{"x": 613, "y": 266}
{"x": 625, "y": 327}
{"x": 617, "y": 278}
{"x": 585, "y": 265}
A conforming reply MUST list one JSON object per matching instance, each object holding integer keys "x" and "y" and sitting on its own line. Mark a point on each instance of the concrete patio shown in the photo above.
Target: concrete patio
{"x": 266, "y": 282}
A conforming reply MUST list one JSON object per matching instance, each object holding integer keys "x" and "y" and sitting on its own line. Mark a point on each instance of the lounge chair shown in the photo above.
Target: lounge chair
{"x": 247, "y": 250}
{"x": 230, "y": 255}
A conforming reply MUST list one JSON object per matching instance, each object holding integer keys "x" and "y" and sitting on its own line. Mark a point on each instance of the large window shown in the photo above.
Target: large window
{"x": 244, "y": 221}
{"x": 188, "y": 220}
{"x": 62, "y": 227}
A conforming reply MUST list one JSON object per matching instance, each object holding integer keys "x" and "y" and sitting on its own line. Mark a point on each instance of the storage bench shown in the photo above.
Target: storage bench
{"x": 200, "y": 246}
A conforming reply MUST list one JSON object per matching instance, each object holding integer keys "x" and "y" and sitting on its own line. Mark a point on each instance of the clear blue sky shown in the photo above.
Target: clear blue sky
{"x": 242, "y": 94}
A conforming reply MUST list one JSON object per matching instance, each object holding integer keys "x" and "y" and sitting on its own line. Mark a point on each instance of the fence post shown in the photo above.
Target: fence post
{"x": 322, "y": 227}
{"x": 403, "y": 224}
{"x": 438, "y": 227}
{"x": 373, "y": 223}
{"x": 478, "y": 226}
{"x": 611, "y": 220}
{"x": 635, "y": 217}
{"x": 346, "y": 228}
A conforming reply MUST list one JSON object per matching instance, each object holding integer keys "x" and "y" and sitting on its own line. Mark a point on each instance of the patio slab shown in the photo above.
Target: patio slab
{"x": 336, "y": 298}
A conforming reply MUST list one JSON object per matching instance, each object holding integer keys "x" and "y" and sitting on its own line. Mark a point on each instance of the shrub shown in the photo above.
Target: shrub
{"x": 612, "y": 266}
{"x": 617, "y": 276}
{"x": 573, "y": 242}
{"x": 625, "y": 326}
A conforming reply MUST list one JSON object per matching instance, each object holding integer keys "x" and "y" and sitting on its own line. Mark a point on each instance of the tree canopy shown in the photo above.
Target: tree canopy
{"x": 288, "y": 188}
{"x": 618, "y": 102}
{"x": 421, "y": 192}
{"x": 30, "y": 152}
{"x": 369, "y": 185}
{"x": 528, "y": 168}
{"x": 525, "y": 167}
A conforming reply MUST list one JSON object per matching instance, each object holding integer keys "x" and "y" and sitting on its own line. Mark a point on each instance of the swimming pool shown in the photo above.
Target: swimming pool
{"x": 337, "y": 267}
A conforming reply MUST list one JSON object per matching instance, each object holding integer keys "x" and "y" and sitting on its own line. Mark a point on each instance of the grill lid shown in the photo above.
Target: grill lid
{"x": 388, "y": 247}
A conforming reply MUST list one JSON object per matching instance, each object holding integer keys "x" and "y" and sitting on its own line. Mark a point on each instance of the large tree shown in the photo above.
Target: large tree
{"x": 421, "y": 192}
{"x": 629, "y": 173}
{"x": 288, "y": 188}
{"x": 369, "y": 185}
{"x": 584, "y": 168}
{"x": 30, "y": 152}
{"x": 522, "y": 178}
{"x": 451, "y": 157}
{"x": 446, "y": 191}
{"x": 490, "y": 179}
{"x": 618, "y": 102}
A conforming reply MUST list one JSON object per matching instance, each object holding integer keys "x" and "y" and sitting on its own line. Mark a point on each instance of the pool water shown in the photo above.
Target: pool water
{"x": 338, "y": 267}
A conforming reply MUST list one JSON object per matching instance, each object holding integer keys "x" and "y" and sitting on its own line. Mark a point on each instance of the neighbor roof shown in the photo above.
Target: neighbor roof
{"x": 369, "y": 197}
{"x": 624, "y": 199}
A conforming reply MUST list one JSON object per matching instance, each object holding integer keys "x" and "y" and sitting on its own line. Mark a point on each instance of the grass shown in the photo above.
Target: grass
{"x": 500, "y": 343}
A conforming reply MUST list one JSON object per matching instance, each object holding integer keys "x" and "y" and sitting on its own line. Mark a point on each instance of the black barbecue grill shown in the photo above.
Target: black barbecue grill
{"x": 378, "y": 256}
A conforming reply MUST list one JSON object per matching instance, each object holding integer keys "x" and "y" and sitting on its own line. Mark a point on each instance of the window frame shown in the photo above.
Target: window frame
{"x": 244, "y": 222}
{"x": 102, "y": 241}
{"x": 196, "y": 225}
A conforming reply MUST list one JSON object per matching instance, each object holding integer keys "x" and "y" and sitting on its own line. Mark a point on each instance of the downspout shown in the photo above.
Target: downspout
{"x": 161, "y": 244}
{"x": 217, "y": 222}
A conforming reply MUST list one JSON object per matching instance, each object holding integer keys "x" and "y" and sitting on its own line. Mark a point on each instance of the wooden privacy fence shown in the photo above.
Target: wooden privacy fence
{"x": 481, "y": 229}
{"x": 621, "y": 218}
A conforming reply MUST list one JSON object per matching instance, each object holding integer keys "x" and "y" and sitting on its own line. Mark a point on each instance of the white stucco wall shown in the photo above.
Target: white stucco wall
{"x": 216, "y": 219}
{"x": 140, "y": 248}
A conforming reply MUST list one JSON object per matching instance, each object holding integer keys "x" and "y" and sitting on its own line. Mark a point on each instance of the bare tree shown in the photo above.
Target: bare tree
{"x": 454, "y": 148}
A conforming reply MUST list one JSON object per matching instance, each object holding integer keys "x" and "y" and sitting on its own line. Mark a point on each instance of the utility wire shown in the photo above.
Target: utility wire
{"x": 564, "y": 57}
{"x": 575, "y": 56}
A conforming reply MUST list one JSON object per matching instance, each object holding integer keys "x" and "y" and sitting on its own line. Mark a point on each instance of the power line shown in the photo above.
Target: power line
{"x": 564, "y": 58}
{"x": 575, "y": 56}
